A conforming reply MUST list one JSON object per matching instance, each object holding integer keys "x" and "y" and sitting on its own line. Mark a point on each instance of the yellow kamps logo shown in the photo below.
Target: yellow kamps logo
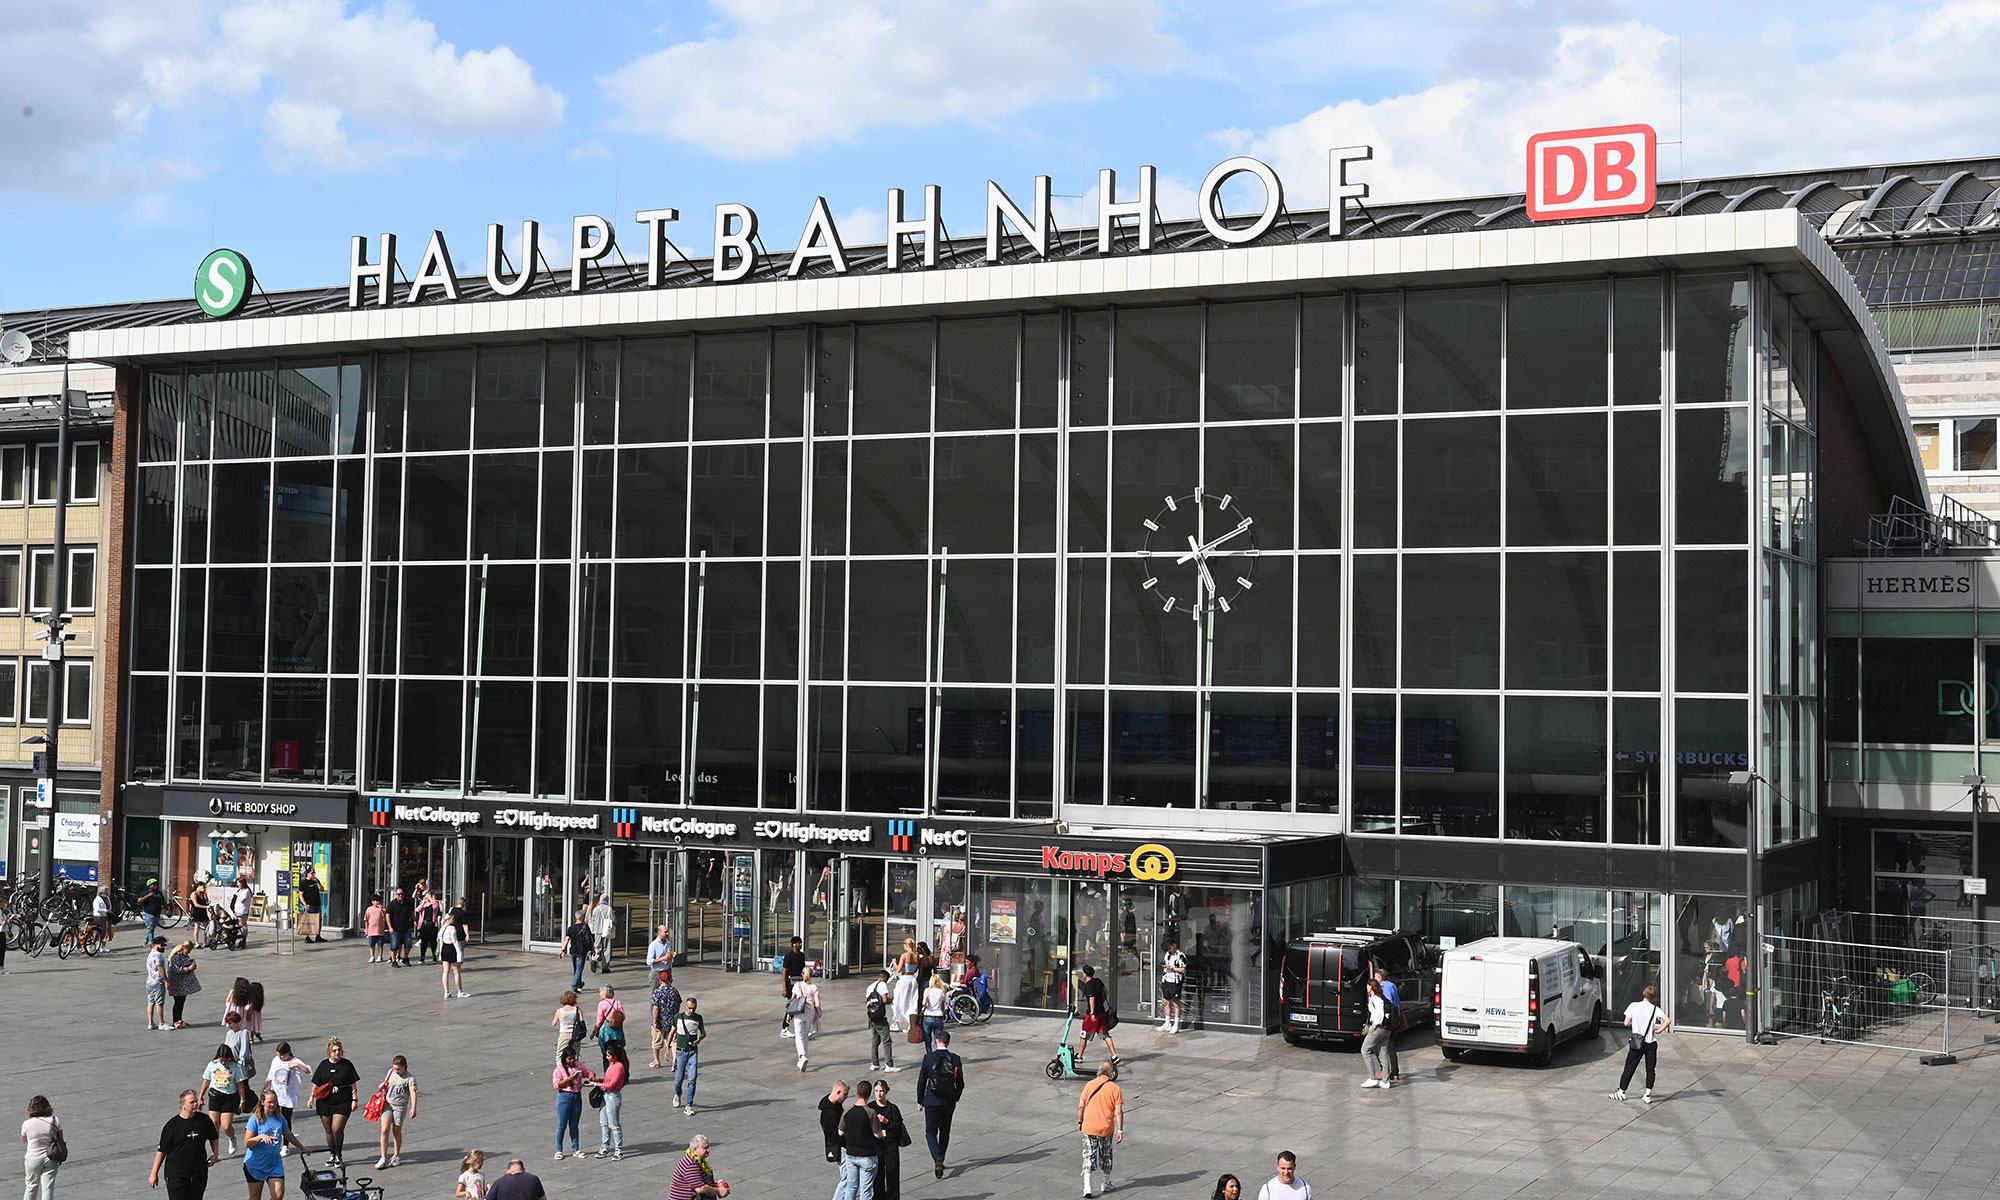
{"x": 1153, "y": 861}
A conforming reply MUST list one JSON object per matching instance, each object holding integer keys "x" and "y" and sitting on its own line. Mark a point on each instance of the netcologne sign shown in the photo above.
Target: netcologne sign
{"x": 914, "y": 240}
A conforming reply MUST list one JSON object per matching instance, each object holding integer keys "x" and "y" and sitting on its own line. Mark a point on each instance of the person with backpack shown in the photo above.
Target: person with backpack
{"x": 577, "y": 943}
{"x": 882, "y": 1042}
{"x": 1173, "y": 970}
{"x": 940, "y": 1083}
{"x": 1394, "y": 998}
{"x": 1647, "y": 1022}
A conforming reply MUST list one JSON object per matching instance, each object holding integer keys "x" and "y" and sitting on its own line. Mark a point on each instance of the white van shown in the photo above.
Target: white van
{"x": 1517, "y": 995}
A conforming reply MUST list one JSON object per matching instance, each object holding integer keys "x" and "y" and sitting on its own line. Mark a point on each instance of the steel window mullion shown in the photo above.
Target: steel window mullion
{"x": 1506, "y": 706}
{"x": 1669, "y": 558}
{"x": 1059, "y": 754}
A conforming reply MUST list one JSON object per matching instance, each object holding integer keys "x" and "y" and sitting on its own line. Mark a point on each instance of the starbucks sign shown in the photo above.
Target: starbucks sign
{"x": 222, "y": 283}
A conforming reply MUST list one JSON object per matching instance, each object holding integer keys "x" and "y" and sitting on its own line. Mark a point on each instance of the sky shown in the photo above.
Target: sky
{"x": 136, "y": 136}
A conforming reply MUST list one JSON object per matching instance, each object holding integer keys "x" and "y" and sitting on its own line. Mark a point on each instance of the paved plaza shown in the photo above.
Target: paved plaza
{"x": 1798, "y": 1119}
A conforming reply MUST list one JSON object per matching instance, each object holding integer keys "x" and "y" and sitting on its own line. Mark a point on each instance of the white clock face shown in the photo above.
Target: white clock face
{"x": 1199, "y": 553}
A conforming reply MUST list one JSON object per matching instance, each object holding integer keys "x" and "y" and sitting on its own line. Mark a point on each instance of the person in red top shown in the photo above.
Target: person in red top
{"x": 610, "y": 1133}
{"x": 694, "y": 1178}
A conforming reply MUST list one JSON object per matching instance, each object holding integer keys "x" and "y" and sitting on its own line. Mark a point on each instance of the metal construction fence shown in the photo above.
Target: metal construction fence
{"x": 1921, "y": 984}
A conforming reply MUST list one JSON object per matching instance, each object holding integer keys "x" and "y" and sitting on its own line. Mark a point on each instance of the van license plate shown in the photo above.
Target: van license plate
{"x": 1463, "y": 1030}
{"x": 1305, "y": 1018}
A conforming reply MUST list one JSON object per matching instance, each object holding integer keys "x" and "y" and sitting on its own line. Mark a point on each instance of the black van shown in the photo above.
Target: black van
{"x": 1323, "y": 982}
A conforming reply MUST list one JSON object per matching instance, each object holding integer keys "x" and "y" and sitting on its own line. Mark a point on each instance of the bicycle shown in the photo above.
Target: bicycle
{"x": 1835, "y": 1001}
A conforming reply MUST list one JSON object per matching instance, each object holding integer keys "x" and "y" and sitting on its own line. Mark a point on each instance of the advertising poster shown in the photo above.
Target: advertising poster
{"x": 76, "y": 836}
{"x": 224, "y": 858}
{"x": 320, "y": 855}
{"x": 1000, "y": 923}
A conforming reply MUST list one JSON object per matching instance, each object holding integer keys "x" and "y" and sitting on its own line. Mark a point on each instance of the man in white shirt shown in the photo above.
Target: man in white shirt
{"x": 660, "y": 952}
{"x": 1286, "y": 1184}
{"x": 156, "y": 984}
{"x": 1173, "y": 969}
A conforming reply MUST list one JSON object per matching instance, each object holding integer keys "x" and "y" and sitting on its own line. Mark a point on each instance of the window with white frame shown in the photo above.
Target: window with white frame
{"x": 10, "y": 690}
{"x": 10, "y": 579}
{"x": 13, "y": 474}
{"x": 82, "y": 596}
{"x": 83, "y": 472}
{"x": 76, "y": 702}
{"x": 45, "y": 473}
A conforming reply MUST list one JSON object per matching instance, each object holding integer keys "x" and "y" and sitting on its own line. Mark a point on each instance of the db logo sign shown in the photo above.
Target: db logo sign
{"x": 1591, "y": 172}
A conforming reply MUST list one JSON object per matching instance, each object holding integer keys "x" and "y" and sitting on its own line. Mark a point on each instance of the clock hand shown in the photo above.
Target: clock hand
{"x": 1197, "y": 551}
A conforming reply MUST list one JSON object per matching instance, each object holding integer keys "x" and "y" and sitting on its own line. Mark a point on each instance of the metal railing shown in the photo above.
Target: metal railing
{"x": 1928, "y": 985}
{"x": 1952, "y": 527}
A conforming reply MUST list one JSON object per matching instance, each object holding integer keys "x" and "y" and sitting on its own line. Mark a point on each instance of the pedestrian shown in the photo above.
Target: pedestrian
{"x": 1173, "y": 969}
{"x": 471, "y": 1176}
{"x": 516, "y": 1184}
{"x": 334, "y": 1098}
{"x": 310, "y": 893}
{"x": 569, "y": 1080}
{"x": 694, "y": 1176}
{"x": 186, "y": 1151}
{"x": 285, "y": 1077}
{"x": 608, "y": 1003}
{"x": 376, "y": 921}
{"x": 792, "y": 968}
{"x": 1373, "y": 1035}
{"x": 245, "y": 1000}
{"x": 1100, "y": 1117}
{"x": 569, "y": 1024}
{"x": 237, "y": 1039}
{"x": 576, "y": 943}
{"x": 1647, "y": 1022}
{"x": 152, "y": 906}
{"x": 881, "y": 1035}
{"x": 39, "y": 1135}
{"x": 227, "y": 1088}
{"x": 1227, "y": 1188}
{"x": 602, "y": 921}
{"x": 1286, "y": 1184}
{"x": 156, "y": 983}
{"x": 239, "y": 919}
{"x": 426, "y": 915}
{"x": 610, "y": 1128}
{"x": 611, "y": 1035}
{"x": 402, "y": 915}
{"x": 804, "y": 1009}
{"x": 689, "y": 1033}
{"x": 451, "y": 952}
{"x": 1392, "y": 998}
{"x": 889, "y": 1174}
{"x": 660, "y": 951}
{"x": 201, "y": 914}
{"x": 181, "y": 981}
{"x": 933, "y": 1011}
{"x": 399, "y": 1105}
{"x": 1097, "y": 1019}
{"x": 905, "y": 1008}
{"x": 666, "y": 1004}
{"x": 940, "y": 1083}
{"x": 831, "y": 1106}
{"x": 100, "y": 913}
{"x": 861, "y": 1136}
{"x": 265, "y": 1136}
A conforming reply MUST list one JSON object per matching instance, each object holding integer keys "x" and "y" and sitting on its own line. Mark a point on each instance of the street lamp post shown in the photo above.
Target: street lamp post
{"x": 1976, "y": 785}
{"x": 55, "y": 633}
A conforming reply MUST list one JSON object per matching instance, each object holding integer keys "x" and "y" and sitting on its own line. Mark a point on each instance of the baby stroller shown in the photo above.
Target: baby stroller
{"x": 330, "y": 1183}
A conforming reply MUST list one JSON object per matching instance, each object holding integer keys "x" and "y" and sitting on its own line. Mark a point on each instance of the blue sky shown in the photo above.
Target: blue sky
{"x": 138, "y": 136}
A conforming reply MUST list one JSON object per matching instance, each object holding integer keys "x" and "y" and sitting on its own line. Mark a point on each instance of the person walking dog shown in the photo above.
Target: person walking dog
{"x": 1647, "y": 1022}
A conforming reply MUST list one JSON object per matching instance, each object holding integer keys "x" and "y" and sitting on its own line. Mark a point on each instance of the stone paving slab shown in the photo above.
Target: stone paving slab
{"x": 1794, "y": 1120}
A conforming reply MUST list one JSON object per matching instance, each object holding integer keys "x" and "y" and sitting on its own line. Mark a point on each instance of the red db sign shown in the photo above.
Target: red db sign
{"x": 1591, "y": 172}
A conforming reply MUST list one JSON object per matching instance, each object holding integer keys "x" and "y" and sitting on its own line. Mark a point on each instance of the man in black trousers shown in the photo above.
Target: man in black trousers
{"x": 939, "y": 1085}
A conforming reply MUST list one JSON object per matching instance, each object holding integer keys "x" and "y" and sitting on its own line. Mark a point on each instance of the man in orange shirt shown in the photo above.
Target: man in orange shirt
{"x": 1100, "y": 1116}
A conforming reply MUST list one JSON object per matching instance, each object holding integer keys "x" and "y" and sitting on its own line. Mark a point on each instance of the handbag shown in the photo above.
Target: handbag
{"x": 596, "y": 1097}
{"x": 321, "y": 1091}
{"x": 915, "y": 1036}
{"x": 58, "y": 1147}
{"x": 372, "y": 1111}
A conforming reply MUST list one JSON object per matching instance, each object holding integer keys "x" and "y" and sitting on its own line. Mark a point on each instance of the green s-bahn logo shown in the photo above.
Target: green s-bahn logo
{"x": 222, "y": 283}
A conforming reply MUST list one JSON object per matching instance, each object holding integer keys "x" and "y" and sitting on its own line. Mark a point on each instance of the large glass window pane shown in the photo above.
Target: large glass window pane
{"x": 1916, "y": 690}
{"x": 307, "y": 395}
{"x": 1711, "y": 740}
{"x": 503, "y": 509}
{"x": 1712, "y": 345}
{"x": 559, "y": 404}
{"x": 1635, "y": 621}
{"x": 1555, "y": 622}
{"x": 242, "y": 405}
{"x": 1320, "y": 357}
{"x": 891, "y": 496}
{"x": 1451, "y": 620}
{"x": 1087, "y": 608}
{"x": 1977, "y": 445}
{"x": 391, "y": 382}
{"x": 1708, "y": 961}
{"x": 978, "y": 621}
{"x": 784, "y": 519}
{"x": 1556, "y": 480}
{"x": 600, "y": 393}
{"x": 1253, "y": 637}
{"x": 1376, "y": 522}
{"x": 781, "y": 620}
{"x": 1451, "y": 482}
{"x": 302, "y": 515}
{"x": 1319, "y": 486}
{"x": 440, "y": 399}
{"x": 1373, "y": 735}
{"x": 729, "y": 384}
{"x": 1253, "y": 467}
{"x": 433, "y": 620}
{"x": 1039, "y": 499}
{"x": 1636, "y": 341}
{"x": 729, "y": 596}
{"x": 502, "y": 619}
{"x": 724, "y": 766}
{"x": 502, "y": 720}
{"x": 892, "y": 378}
{"x": 156, "y": 515}
{"x": 430, "y": 739}
{"x": 975, "y": 495}
{"x": 652, "y": 502}
{"x": 1147, "y": 467}
{"x": 1451, "y": 351}
{"x": 434, "y": 518}
{"x": 1712, "y": 621}
{"x": 1451, "y": 765}
{"x": 1451, "y": 914}
{"x": 789, "y": 354}
{"x": 653, "y": 390}
{"x": 152, "y": 612}
{"x": 1635, "y": 501}
{"x": 510, "y": 397}
{"x": 1555, "y": 768}
{"x": 301, "y": 608}
{"x": 1017, "y": 932}
{"x": 234, "y": 633}
{"x": 1249, "y": 751}
{"x": 888, "y": 632}
{"x": 885, "y": 739}
{"x": 1378, "y": 346}
{"x": 1557, "y": 343}
{"x": 1089, "y": 493}
{"x": 298, "y": 730}
{"x": 1374, "y": 624}
{"x": 726, "y": 509}
{"x": 1152, "y": 743}
{"x": 1035, "y": 637}
{"x": 192, "y": 619}
{"x": 148, "y": 718}
{"x": 1712, "y": 476}
{"x": 243, "y": 493}
{"x": 1318, "y": 621}
{"x": 1148, "y": 645}
{"x": 1034, "y": 752}
{"x": 646, "y": 732}
{"x": 975, "y": 751}
{"x": 1843, "y": 690}
{"x": 1251, "y": 360}
{"x": 1638, "y": 782}
{"x": 651, "y": 612}
{"x": 975, "y": 384}
{"x": 1319, "y": 752}
{"x": 234, "y": 716}
{"x": 1158, "y": 373}
{"x": 160, "y": 423}
{"x": 1041, "y": 369}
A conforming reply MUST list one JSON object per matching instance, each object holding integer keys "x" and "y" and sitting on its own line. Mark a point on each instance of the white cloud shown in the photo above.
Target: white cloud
{"x": 789, "y": 75}
{"x": 1763, "y": 99}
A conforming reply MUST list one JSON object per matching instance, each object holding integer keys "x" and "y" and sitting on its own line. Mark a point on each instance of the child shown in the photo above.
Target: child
{"x": 471, "y": 1177}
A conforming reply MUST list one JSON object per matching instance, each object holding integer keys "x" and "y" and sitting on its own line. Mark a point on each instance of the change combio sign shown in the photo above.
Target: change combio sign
{"x": 1602, "y": 172}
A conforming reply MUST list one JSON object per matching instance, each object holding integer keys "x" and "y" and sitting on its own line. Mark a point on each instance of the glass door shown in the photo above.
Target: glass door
{"x": 827, "y": 920}
{"x": 442, "y": 866}
{"x": 776, "y": 892}
{"x": 867, "y": 915}
{"x": 701, "y": 885}
{"x": 1135, "y": 984}
{"x": 946, "y": 906}
{"x": 1090, "y": 932}
{"x": 549, "y": 904}
{"x": 899, "y": 907}
{"x": 494, "y": 888}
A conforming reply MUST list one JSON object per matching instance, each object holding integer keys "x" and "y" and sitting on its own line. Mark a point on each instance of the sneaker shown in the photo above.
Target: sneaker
{"x": 892, "y": 1067}
{"x": 1371, "y": 1082}
{"x": 381, "y": 1162}
{"x": 559, "y": 1156}
{"x": 465, "y": 995}
{"x": 1387, "y": 1084}
{"x": 1648, "y": 1097}
{"x": 284, "y": 1151}
{"x": 229, "y": 1146}
{"x": 1115, "y": 1060}
{"x": 617, "y": 1155}
{"x": 677, "y": 1096}
{"x": 603, "y": 1153}
{"x": 874, "y": 1066}
{"x": 1107, "y": 1187}
{"x": 689, "y": 1110}
{"x": 1619, "y": 1094}
{"x": 447, "y": 995}
{"x": 802, "y": 1066}
{"x": 395, "y": 1160}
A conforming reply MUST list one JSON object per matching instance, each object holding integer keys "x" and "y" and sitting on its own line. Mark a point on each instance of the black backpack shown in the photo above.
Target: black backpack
{"x": 581, "y": 941}
{"x": 878, "y": 1012}
{"x": 947, "y": 1078}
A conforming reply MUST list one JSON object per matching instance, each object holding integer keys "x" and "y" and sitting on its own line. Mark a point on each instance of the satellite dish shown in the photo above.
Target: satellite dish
{"x": 15, "y": 346}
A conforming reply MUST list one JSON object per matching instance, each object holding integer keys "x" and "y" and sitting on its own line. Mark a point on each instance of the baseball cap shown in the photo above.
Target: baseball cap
{"x": 152, "y": 881}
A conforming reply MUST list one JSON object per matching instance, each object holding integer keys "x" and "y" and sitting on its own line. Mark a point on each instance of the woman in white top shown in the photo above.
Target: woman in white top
{"x": 905, "y": 1006}
{"x": 1374, "y": 1043}
{"x": 284, "y": 1078}
{"x": 451, "y": 952}
{"x": 804, "y": 1008}
{"x": 38, "y": 1133}
{"x": 1647, "y": 1022}
{"x": 933, "y": 1009}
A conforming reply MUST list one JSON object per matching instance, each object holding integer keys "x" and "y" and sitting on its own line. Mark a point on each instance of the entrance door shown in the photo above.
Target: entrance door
{"x": 827, "y": 919}
{"x": 1135, "y": 986}
{"x": 948, "y": 923}
{"x": 899, "y": 905}
{"x": 664, "y": 904}
{"x": 443, "y": 867}
{"x": 702, "y": 879}
{"x": 549, "y": 906}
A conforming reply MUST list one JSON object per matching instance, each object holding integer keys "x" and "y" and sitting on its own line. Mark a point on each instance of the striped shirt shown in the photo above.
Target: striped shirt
{"x": 691, "y": 1174}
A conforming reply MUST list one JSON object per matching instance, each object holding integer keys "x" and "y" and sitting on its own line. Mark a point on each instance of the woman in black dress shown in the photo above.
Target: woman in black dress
{"x": 889, "y": 1178}
{"x": 334, "y": 1096}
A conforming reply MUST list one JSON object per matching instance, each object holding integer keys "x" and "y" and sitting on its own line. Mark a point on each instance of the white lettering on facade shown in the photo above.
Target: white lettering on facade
{"x": 433, "y": 814}
{"x": 810, "y": 833}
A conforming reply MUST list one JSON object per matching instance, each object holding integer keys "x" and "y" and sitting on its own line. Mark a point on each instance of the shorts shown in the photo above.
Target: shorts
{"x": 660, "y": 1039}
{"x": 448, "y": 953}
{"x": 377, "y": 940}
{"x": 332, "y": 1107}
{"x": 156, "y": 993}
{"x": 399, "y": 939}
{"x": 1171, "y": 991}
{"x": 255, "y": 1176}
{"x": 224, "y": 1102}
{"x": 1095, "y": 1024}
{"x": 1097, "y": 1153}
{"x": 395, "y": 1114}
